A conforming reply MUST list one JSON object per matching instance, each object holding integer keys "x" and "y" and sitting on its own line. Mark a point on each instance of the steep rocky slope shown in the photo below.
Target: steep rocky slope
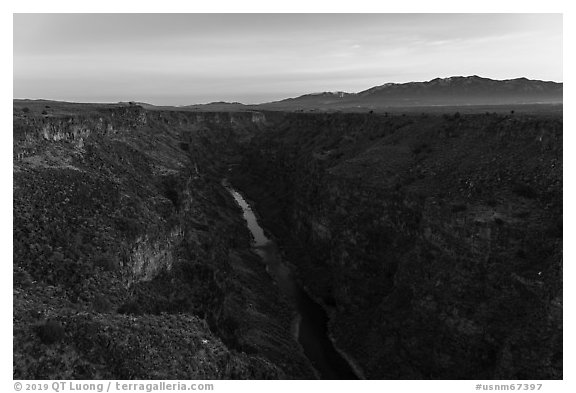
{"x": 435, "y": 241}
{"x": 130, "y": 259}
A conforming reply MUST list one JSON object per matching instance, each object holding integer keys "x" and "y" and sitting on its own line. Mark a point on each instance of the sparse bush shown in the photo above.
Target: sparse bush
{"x": 492, "y": 202}
{"x": 498, "y": 221}
{"x": 44, "y": 112}
{"x": 420, "y": 147}
{"x": 129, "y": 226}
{"x": 170, "y": 189}
{"x": 25, "y": 109}
{"x": 101, "y": 304}
{"x": 409, "y": 180}
{"x": 458, "y": 207}
{"x": 521, "y": 214}
{"x": 107, "y": 262}
{"x": 130, "y": 308}
{"x": 22, "y": 279}
{"x": 525, "y": 191}
{"x": 555, "y": 228}
{"x": 50, "y": 332}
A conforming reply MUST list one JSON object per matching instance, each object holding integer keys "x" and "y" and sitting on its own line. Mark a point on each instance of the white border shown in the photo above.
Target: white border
{"x": 51, "y": 6}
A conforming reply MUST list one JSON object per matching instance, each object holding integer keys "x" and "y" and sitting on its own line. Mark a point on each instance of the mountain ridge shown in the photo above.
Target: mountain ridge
{"x": 470, "y": 90}
{"x": 449, "y": 91}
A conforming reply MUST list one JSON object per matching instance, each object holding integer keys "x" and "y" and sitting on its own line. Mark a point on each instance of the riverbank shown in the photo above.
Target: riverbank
{"x": 312, "y": 318}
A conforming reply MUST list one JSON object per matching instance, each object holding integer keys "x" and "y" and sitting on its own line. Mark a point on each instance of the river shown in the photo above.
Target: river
{"x": 312, "y": 321}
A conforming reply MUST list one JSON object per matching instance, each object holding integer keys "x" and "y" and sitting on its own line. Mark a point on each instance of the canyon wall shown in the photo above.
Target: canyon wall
{"x": 130, "y": 258}
{"x": 435, "y": 241}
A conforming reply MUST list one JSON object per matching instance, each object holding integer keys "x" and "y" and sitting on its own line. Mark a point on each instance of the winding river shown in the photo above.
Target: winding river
{"x": 312, "y": 320}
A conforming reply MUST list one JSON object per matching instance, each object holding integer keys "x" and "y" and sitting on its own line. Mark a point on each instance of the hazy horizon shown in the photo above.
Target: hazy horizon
{"x": 183, "y": 59}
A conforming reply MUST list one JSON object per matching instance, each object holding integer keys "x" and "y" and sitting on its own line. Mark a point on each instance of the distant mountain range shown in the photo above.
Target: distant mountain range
{"x": 439, "y": 92}
{"x": 472, "y": 90}
{"x": 453, "y": 91}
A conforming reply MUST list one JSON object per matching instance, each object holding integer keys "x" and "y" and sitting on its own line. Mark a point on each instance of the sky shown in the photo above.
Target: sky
{"x": 182, "y": 59}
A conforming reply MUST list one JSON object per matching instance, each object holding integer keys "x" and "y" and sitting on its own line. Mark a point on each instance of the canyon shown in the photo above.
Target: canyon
{"x": 430, "y": 241}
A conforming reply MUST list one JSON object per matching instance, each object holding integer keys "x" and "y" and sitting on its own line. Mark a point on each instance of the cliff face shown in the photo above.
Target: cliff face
{"x": 129, "y": 254}
{"x": 435, "y": 240}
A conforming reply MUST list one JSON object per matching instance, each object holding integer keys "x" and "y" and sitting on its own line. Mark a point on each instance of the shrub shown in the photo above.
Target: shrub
{"x": 25, "y": 109}
{"x": 51, "y": 332}
{"x": 492, "y": 202}
{"x": 130, "y": 308}
{"x": 129, "y": 226}
{"x": 420, "y": 147}
{"x": 101, "y": 304}
{"x": 499, "y": 221}
{"x": 22, "y": 279}
{"x": 108, "y": 263}
{"x": 525, "y": 191}
{"x": 555, "y": 228}
{"x": 170, "y": 189}
{"x": 458, "y": 207}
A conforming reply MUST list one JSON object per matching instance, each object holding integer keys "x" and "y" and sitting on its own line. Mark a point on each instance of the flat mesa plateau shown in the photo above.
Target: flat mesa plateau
{"x": 418, "y": 242}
